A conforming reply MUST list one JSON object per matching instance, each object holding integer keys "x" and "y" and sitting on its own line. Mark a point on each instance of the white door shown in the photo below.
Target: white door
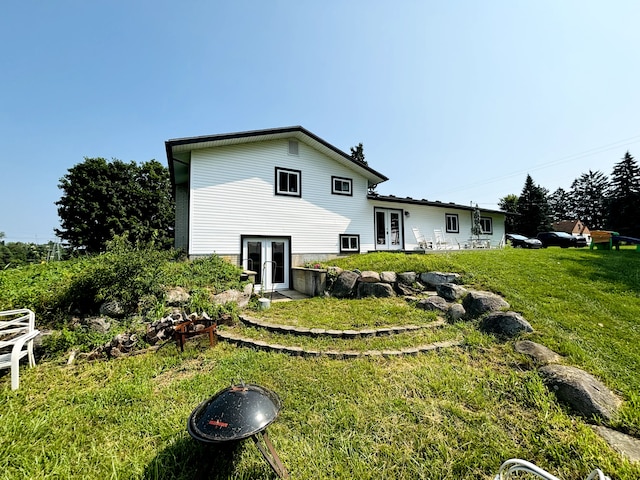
{"x": 388, "y": 225}
{"x": 269, "y": 258}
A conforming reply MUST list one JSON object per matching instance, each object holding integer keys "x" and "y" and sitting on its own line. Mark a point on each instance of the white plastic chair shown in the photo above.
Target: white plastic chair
{"x": 423, "y": 243}
{"x": 516, "y": 465}
{"x": 17, "y": 331}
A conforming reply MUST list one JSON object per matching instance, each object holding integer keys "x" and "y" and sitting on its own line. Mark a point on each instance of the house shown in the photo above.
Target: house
{"x": 269, "y": 200}
{"x": 573, "y": 227}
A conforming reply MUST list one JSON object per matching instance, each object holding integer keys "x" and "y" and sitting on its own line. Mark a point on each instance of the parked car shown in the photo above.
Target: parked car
{"x": 560, "y": 239}
{"x": 520, "y": 241}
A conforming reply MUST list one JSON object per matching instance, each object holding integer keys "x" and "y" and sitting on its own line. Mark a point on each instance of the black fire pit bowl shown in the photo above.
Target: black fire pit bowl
{"x": 236, "y": 413}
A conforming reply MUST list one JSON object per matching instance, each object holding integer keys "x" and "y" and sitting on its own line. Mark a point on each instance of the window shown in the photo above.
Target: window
{"x": 341, "y": 186}
{"x": 486, "y": 224}
{"x": 350, "y": 243}
{"x": 451, "y": 219}
{"x": 288, "y": 182}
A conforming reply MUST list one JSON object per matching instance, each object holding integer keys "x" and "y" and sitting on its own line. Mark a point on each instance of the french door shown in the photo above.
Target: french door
{"x": 269, "y": 258}
{"x": 388, "y": 225}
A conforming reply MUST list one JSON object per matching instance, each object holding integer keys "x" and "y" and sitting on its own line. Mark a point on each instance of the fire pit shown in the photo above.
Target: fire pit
{"x": 236, "y": 413}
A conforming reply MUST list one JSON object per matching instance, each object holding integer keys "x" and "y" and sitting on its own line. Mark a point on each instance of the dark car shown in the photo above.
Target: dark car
{"x": 520, "y": 241}
{"x": 560, "y": 239}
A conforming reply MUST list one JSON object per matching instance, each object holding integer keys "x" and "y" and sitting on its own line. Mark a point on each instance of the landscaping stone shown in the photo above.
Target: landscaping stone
{"x": 241, "y": 298}
{"x": 344, "y": 284}
{"x": 508, "y": 324}
{"x": 539, "y": 353}
{"x": 581, "y": 391}
{"x": 369, "y": 276}
{"x": 176, "y": 296}
{"x": 624, "y": 444}
{"x": 438, "y": 278}
{"x": 388, "y": 277}
{"x": 407, "y": 278}
{"x": 451, "y": 291}
{"x": 478, "y": 303}
{"x": 113, "y": 309}
{"x": 378, "y": 290}
{"x": 456, "y": 312}
{"x": 433, "y": 303}
{"x": 98, "y": 324}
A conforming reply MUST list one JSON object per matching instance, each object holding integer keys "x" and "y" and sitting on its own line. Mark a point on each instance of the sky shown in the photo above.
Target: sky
{"x": 454, "y": 101}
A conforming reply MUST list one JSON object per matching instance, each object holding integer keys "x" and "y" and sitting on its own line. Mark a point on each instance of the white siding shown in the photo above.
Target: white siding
{"x": 232, "y": 193}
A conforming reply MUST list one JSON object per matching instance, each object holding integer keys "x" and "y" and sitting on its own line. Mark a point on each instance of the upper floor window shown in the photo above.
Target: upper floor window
{"x": 486, "y": 223}
{"x": 341, "y": 186}
{"x": 451, "y": 220}
{"x": 288, "y": 182}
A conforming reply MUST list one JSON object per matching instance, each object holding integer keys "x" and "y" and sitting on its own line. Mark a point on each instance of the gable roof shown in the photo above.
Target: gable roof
{"x": 179, "y": 150}
{"x": 429, "y": 203}
{"x": 570, "y": 226}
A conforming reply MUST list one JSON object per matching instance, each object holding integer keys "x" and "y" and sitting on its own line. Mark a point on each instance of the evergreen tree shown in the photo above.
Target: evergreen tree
{"x": 533, "y": 209}
{"x": 588, "y": 193}
{"x": 560, "y": 205}
{"x": 623, "y": 203}
{"x": 357, "y": 153}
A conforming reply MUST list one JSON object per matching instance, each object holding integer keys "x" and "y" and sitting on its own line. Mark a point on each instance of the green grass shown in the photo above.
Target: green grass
{"x": 454, "y": 414}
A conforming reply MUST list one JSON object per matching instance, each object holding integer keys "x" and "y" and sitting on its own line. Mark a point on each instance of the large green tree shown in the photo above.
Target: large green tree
{"x": 509, "y": 204}
{"x": 103, "y": 198}
{"x": 560, "y": 205}
{"x": 588, "y": 193}
{"x": 533, "y": 209}
{"x": 623, "y": 203}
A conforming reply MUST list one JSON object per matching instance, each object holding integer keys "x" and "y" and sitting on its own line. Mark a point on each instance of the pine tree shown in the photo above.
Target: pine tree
{"x": 533, "y": 209}
{"x": 560, "y": 205}
{"x": 588, "y": 193}
{"x": 623, "y": 203}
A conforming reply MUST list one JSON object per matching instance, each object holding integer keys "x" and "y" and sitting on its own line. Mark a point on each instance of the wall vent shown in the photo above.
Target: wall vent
{"x": 293, "y": 147}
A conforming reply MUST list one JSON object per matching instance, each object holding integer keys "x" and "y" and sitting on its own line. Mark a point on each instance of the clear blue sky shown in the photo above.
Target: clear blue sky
{"x": 453, "y": 100}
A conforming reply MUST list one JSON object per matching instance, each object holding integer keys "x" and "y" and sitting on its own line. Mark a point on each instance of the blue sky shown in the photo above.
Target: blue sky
{"x": 453, "y": 100}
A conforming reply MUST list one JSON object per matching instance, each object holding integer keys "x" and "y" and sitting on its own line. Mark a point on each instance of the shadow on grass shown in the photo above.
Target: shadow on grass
{"x": 611, "y": 266}
{"x": 189, "y": 459}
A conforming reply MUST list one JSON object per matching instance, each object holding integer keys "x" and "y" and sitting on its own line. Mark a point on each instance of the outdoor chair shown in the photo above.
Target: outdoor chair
{"x": 17, "y": 331}
{"x": 516, "y": 465}
{"x": 442, "y": 242}
{"x": 423, "y": 243}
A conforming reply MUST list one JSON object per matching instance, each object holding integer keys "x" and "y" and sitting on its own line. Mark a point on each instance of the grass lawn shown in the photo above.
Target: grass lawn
{"x": 453, "y": 414}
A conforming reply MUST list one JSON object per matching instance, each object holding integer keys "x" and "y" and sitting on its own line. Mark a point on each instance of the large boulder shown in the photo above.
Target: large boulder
{"x": 369, "y": 276}
{"x": 407, "y": 278}
{"x": 438, "y": 278}
{"x": 581, "y": 391}
{"x": 478, "y": 303}
{"x": 451, "y": 291}
{"x": 539, "y": 353}
{"x": 456, "y": 312}
{"x": 380, "y": 290}
{"x": 176, "y": 296}
{"x": 344, "y": 284}
{"x": 433, "y": 303}
{"x": 388, "y": 277}
{"x": 508, "y": 324}
{"x": 241, "y": 298}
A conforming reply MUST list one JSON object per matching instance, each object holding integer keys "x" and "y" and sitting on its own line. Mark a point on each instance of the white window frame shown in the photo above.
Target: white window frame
{"x": 489, "y": 223}
{"x": 353, "y": 243}
{"x": 341, "y": 182}
{"x": 452, "y": 223}
{"x": 291, "y": 174}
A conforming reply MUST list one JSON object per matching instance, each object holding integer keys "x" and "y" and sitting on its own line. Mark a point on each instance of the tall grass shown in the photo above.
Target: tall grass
{"x": 453, "y": 414}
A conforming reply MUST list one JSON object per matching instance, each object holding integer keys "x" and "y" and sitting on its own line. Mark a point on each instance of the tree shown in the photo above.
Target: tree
{"x": 560, "y": 205}
{"x": 588, "y": 193}
{"x": 509, "y": 204}
{"x": 623, "y": 203}
{"x": 102, "y": 199}
{"x": 357, "y": 154}
{"x": 533, "y": 209}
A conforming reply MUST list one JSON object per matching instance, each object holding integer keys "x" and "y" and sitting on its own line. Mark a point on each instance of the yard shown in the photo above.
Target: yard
{"x": 457, "y": 413}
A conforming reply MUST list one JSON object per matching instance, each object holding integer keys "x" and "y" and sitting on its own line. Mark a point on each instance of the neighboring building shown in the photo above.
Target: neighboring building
{"x": 272, "y": 199}
{"x": 573, "y": 227}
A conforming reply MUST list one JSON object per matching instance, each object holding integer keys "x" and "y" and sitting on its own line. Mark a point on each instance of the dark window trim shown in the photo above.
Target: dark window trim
{"x": 490, "y": 219}
{"x": 339, "y": 192}
{"x": 288, "y": 170}
{"x": 345, "y": 235}
{"x": 446, "y": 223}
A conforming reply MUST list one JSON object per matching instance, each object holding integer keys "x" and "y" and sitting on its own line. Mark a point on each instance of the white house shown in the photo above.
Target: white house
{"x": 272, "y": 199}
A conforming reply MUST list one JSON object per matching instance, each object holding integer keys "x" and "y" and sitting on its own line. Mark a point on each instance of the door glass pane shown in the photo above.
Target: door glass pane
{"x": 277, "y": 255}
{"x": 395, "y": 228}
{"x": 254, "y": 255}
{"x": 381, "y": 236}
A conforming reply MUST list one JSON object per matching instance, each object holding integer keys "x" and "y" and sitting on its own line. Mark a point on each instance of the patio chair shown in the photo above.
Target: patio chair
{"x": 442, "y": 242}
{"x": 516, "y": 465}
{"x": 423, "y": 243}
{"x": 17, "y": 331}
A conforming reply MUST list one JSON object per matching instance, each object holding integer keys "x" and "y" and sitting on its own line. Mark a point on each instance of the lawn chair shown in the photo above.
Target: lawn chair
{"x": 423, "y": 243}
{"x": 442, "y": 242}
{"x": 17, "y": 331}
{"x": 516, "y": 465}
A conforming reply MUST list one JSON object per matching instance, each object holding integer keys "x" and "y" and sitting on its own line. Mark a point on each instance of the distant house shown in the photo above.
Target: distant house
{"x": 269, "y": 200}
{"x": 573, "y": 227}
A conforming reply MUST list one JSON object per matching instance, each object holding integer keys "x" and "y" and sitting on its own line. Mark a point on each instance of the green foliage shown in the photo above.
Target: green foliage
{"x": 623, "y": 204}
{"x": 533, "y": 210}
{"x": 589, "y": 193}
{"x": 103, "y": 199}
